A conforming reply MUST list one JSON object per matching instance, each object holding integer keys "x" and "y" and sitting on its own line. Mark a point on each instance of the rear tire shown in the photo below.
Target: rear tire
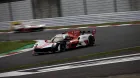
{"x": 91, "y": 40}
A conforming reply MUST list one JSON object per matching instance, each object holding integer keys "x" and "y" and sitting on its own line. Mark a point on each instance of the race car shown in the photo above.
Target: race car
{"x": 28, "y": 26}
{"x": 62, "y": 42}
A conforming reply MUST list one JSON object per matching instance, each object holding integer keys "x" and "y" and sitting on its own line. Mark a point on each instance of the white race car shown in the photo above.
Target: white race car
{"x": 27, "y": 26}
{"x": 62, "y": 42}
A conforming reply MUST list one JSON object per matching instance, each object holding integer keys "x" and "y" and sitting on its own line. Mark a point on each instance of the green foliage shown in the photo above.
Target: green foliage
{"x": 12, "y": 45}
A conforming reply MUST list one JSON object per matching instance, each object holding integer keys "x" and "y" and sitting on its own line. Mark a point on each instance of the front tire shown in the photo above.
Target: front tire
{"x": 35, "y": 54}
{"x": 91, "y": 40}
{"x": 61, "y": 47}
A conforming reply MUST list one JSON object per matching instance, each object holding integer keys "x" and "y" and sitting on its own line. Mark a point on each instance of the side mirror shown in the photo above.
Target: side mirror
{"x": 78, "y": 38}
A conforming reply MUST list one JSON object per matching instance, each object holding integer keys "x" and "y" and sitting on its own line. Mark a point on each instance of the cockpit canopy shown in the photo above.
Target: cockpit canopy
{"x": 60, "y": 37}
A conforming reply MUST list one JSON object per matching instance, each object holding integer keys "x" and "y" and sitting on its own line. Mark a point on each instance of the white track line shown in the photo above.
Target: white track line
{"x": 19, "y": 52}
{"x": 94, "y": 62}
{"x": 83, "y": 61}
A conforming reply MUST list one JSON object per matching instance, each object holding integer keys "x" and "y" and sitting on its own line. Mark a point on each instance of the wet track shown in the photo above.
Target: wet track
{"x": 107, "y": 39}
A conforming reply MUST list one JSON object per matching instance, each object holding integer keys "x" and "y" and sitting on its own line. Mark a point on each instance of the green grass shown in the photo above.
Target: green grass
{"x": 12, "y": 45}
{"x": 5, "y": 30}
{"x": 77, "y": 58}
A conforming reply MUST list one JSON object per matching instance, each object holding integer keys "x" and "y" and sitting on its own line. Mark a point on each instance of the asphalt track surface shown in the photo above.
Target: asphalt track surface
{"x": 100, "y": 71}
{"x": 107, "y": 39}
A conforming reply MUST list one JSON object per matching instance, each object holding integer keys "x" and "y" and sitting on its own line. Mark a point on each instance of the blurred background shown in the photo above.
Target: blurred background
{"x": 36, "y": 9}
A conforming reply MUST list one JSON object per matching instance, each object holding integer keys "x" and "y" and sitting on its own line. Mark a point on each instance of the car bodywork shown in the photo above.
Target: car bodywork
{"x": 28, "y": 26}
{"x": 67, "y": 40}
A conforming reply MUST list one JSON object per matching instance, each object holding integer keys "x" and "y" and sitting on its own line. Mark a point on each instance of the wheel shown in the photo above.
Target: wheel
{"x": 61, "y": 47}
{"x": 42, "y": 28}
{"x": 39, "y": 29}
{"x": 91, "y": 40}
{"x": 35, "y": 54}
{"x": 26, "y": 30}
{"x": 15, "y": 31}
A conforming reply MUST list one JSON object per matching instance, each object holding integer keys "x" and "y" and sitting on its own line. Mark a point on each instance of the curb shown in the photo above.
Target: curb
{"x": 18, "y": 51}
{"x": 14, "y": 53}
{"x": 6, "y": 32}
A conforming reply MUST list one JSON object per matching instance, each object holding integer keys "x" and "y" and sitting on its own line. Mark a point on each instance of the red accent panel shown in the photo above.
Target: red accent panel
{"x": 73, "y": 43}
{"x": 86, "y": 41}
{"x": 93, "y": 31}
{"x": 74, "y": 33}
{"x": 12, "y": 53}
{"x": 25, "y": 29}
{"x": 46, "y": 40}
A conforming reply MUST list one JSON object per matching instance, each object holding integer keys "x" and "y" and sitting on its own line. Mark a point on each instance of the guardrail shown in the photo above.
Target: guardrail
{"x": 84, "y": 19}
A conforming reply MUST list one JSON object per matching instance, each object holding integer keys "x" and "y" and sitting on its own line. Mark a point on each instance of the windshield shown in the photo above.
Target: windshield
{"x": 57, "y": 39}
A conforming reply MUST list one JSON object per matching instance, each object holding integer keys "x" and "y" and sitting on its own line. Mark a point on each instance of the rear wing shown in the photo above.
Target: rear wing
{"x": 94, "y": 31}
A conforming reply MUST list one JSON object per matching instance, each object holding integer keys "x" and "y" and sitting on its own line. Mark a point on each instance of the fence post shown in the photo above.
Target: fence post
{"x": 115, "y": 6}
{"x": 85, "y": 7}
{"x": 10, "y": 10}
